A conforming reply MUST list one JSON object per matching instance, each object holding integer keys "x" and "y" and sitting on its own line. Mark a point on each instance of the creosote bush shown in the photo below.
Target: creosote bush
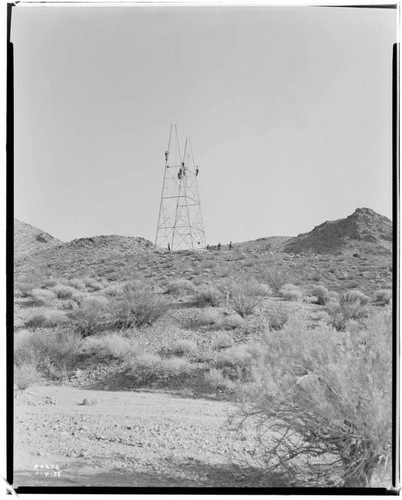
{"x": 91, "y": 315}
{"x": 51, "y": 353}
{"x": 207, "y": 295}
{"x": 42, "y": 297}
{"x": 291, "y": 292}
{"x": 109, "y": 346}
{"x": 25, "y": 375}
{"x": 245, "y": 296}
{"x": 324, "y": 400}
{"x": 63, "y": 291}
{"x": 350, "y": 306}
{"x": 149, "y": 368}
{"x": 181, "y": 287}
{"x": 183, "y": 347}
{"x": 383, "y": 297}
{"x": 136, "y": 306}
{"x": 278, "y": 317}
{"x": 236, "y": 362}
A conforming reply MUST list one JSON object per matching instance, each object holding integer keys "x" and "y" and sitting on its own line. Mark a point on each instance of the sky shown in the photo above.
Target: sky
{"x": 288, "y": 110}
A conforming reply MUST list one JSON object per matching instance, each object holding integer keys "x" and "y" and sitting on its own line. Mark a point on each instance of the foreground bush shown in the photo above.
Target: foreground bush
{"x": 50, "y": 353}
{"x": 136, "y": 306}
{"x": 324, "y": 400}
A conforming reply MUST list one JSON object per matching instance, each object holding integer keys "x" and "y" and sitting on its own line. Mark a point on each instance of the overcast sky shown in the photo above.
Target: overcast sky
{"x": 288, "y": 109}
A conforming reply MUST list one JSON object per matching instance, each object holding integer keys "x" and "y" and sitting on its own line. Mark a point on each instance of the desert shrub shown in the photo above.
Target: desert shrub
{"x": 219, "y": 382}
{"x": 151, "y": 368}
{"x": 42, "y": 297}
{"x": 36, "y": 321}
{"x": 77, "y": 283}
{"x": 291, "y": 292}
{"x": 321, "y": 293}
{"x": 181, "y": 287}
{"x": 275, "y": 278}
{"x": 63, "y": 291}
{"x": 350, "y": 306}
{"x": 113, "y": 290}
{"x": 93, "y": 284}
{"x": 222, "y": 341}
{"x": 25, "y": 375}
{"x": 236, "y": 362}
{"x": 353, "y": 297}
{"x": 277, "y": 317}
{"x": 207, "y": 317}
{"x": 183, "y": 347}
{"x": 51, "y": 353}
{"x": 324, "y": 400}
{"x": 230, "y": 321}
{"x": 137, "y": 307}
{"x": 383, "y": 297}
{"x": 79, "y": 296}
{"x": 207, "y": 295}
{"x": 109, "y": 346}
{"x": 245, "y": 296}
{"x": 90, "y": 315}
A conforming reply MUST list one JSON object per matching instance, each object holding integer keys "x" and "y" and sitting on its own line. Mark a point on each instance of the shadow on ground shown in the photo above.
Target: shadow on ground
{"x": 179, "y": 474}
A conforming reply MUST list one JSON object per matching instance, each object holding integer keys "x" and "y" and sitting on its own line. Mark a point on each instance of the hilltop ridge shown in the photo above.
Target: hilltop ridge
{"x": 364, "y": 230}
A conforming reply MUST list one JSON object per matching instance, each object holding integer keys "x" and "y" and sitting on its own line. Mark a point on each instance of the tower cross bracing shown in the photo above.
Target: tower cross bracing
{"x": 180, "y": 223}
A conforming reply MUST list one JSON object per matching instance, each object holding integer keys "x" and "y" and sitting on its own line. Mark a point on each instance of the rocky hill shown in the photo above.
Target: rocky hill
{"x": 364, "y": 231}
{"x": 29, "y": 239}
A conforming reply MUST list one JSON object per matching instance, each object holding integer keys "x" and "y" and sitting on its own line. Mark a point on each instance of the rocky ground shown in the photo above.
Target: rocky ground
{"x": 66, "y": 436}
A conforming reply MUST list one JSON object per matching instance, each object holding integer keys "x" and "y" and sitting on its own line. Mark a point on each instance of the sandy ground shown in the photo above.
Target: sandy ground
{"x": 120, "y": 439}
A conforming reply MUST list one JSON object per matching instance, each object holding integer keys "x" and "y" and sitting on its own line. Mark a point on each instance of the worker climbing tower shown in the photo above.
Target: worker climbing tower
{"x": 180, "y": 224}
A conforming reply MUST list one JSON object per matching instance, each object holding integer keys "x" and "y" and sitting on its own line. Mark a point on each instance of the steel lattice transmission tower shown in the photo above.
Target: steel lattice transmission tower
{"x": 180, "y": 224}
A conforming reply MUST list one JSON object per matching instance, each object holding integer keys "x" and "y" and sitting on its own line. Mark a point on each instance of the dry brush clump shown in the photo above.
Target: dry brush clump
{"x": 181, "y": 287}
{"x": 91, "y": 315}
{"x": 51, "y": 353}
{"x": 320, "y": 404}
{"x": 207, "y": 295}
{"x": 245, "y": 296}
{"x": 110, "y": 346}
{"x": 383, "y": 297}
{"x": 41, "y": 296}
{"x": 350, "y": 306}
{"x": 148, "y": 369}
{"x": 291, "y": 292}
{"x": 136, "y": 306}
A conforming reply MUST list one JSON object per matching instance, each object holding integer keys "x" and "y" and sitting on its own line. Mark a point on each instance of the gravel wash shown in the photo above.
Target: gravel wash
{"x": 67, "y": 436}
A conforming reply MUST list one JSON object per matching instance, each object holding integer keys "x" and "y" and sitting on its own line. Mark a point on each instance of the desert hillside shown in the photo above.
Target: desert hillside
{"x": 364, "y": 230}
{"x": 135, "y": 357}
{"x": 29, "y": 239}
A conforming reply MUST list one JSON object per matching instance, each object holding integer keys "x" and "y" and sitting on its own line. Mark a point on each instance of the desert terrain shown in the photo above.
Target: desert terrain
{"x": 131, "y": 363}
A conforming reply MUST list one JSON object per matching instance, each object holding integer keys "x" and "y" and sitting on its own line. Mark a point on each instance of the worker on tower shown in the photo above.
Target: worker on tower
{"x": 166, "y": 155}
{"x": 196, "y": 170}
{"x": 230, "y": 246}
{"x": 180, "y": 174}
{"x": 219, "y": 246}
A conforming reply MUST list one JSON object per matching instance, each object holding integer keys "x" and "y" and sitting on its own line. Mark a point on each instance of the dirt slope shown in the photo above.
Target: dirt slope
{"x": 364, "y": 230}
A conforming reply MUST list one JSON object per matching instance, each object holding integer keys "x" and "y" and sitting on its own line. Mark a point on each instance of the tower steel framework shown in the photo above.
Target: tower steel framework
{"x": 180, "y": 224}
